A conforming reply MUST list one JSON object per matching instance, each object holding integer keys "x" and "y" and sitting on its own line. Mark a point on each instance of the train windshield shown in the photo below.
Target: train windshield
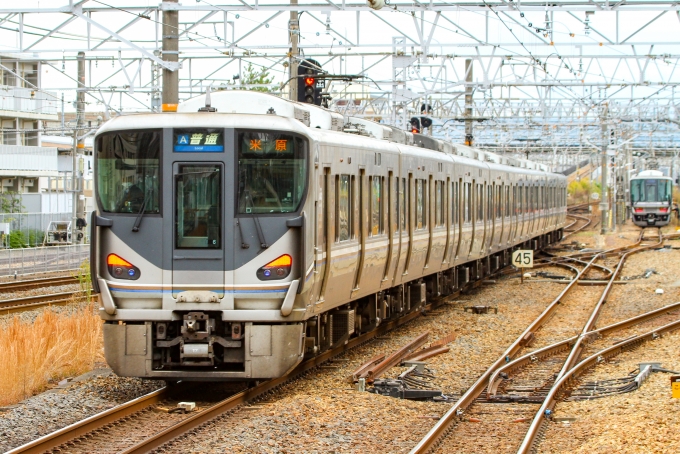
{"x": 128, "y": 166}
{"x": 272, "y": 169}
{"x": 650, "y": 190}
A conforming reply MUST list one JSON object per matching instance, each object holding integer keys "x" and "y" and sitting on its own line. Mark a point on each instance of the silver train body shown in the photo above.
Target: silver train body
{"x": 228, "y": 245}
{"x": 651, "y": 199}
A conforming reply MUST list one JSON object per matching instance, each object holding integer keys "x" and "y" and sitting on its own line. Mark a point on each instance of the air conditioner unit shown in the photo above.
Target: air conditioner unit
{"x": 7, "y": 182}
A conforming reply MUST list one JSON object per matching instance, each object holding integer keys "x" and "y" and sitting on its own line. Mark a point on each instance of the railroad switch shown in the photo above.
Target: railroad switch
{"x": 480, "y": 309}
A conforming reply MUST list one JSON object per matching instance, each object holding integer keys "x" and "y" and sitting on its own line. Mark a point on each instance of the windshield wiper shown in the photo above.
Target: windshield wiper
{"x": 142, "y": 210}
{"x": 258, "y": 227}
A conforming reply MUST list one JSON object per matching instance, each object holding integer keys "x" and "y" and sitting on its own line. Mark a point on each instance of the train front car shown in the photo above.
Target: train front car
{"x": 651, "y": 198}
{"x": 197, "y": 244}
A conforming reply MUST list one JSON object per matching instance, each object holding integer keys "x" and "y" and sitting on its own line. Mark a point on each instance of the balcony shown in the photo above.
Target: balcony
{"x": 28, "y": 103}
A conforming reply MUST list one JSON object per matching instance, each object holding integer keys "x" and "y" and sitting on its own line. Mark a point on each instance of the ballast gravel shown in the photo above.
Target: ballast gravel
{"x": 66, "y": 404}
{"x": 322, "y": 413}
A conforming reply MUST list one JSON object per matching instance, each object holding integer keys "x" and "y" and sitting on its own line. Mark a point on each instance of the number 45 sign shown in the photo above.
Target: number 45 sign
{"x": 523, "y": 259}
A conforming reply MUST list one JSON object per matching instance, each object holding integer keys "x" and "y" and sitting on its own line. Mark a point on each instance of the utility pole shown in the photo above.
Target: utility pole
{"x": 469, "y": 139}
{"x": 294, "y": 27}
{"x": 170, "y": 95}
{"x": 604, "y": 206}
{"x": 78, "y": 199}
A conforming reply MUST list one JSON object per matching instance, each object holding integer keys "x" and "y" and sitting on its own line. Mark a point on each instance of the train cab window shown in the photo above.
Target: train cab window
{"x": 271, "y": 174}
{"x": 198, "y": 206}
{"x": 421, "y": 204}
{"x": 650, "y": 190}
{"x": 376, "y": 206}
{"x": 343, "y": 218}
{"x": 128, "y": 166}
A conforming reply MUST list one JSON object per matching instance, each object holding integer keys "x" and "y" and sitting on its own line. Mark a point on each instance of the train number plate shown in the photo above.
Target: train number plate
{"x": 523, "y": 258}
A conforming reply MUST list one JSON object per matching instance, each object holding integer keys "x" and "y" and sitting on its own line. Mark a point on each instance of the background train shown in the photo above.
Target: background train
{"x": 229, "y": 244}
{"x": 651, "y": 198}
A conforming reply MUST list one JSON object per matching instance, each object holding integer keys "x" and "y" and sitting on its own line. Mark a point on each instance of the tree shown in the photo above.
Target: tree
{"x": 10, "y": 202}
{"x": 254, "y": 77}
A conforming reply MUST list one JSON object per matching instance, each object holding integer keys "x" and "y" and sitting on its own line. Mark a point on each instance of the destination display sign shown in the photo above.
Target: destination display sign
{"x": 198, "y": 142}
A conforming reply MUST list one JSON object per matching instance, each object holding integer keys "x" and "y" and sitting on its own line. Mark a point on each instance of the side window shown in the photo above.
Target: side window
{"x": 343, "y": 216}
{"x": 390, "y": 207}
{"x": 421, "y": 208}
{"x": 480, "y": 202}
{"x": 467, "y": 201}
{"x": 439, "y": 202}
{"x": 403, "y": 208}
{"x": 507, "y": 201}
{"x": 454, "y": 203}
{"x": 526, "y": 199}
{"x": 376, "y": 206}
{"x": 489, "y": 201}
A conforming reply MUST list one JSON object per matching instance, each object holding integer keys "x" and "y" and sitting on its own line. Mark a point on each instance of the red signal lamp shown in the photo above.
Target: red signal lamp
{"x": 310, "y": 81}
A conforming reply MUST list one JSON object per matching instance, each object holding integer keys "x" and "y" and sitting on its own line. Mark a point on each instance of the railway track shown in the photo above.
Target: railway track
{"x": 86, "y": 435}
{"x": 17, "y": 286}
{"x": 518, "y": 414}
{"x": 34, "y": 302}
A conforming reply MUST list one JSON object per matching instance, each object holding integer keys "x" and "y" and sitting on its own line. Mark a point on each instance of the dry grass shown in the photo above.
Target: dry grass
{"x": 54, "y": 346}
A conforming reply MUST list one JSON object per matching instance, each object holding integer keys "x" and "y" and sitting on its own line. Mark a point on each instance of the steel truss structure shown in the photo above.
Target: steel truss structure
{"x": 541, "y": 77}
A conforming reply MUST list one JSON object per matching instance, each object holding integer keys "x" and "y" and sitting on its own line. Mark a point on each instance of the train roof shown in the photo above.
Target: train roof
{"x": 201, "y": 120}
{"x": 275, "y": 112}
{"x": 647, "y": 174}
{"x": 254, "y": 102}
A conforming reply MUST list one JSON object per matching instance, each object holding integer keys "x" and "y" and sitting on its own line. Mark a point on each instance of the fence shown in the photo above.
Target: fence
{"x": 42, "y": 259}
{"x": 32, "y": 227}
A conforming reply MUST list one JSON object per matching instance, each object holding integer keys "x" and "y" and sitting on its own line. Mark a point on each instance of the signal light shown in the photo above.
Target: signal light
{"x": 310, "y": 82}
{"x": 415, "y": 125}
{"x": 120, "y": 268}
{"x": 278, "y": 268}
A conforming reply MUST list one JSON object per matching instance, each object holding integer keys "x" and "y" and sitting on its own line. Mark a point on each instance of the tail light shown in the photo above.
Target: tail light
{"x": 663, "y": 210}
{"x": 639, "y": 210}
{"x": 120, "y": 268}
{"x": 276, "y": 269}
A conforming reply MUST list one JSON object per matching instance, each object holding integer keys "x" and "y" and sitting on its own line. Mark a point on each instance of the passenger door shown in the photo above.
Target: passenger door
{"x": 198, "y": 238}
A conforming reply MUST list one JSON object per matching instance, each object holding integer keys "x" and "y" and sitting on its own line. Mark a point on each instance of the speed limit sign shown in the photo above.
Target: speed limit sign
{"x": 523, "y": 258}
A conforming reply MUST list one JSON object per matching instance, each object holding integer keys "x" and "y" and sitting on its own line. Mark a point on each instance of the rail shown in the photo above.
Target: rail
{"x": 442, "y": 426}
{"x": 67, "y": 434}
{"x": 37, "y": 301}
{"x": 528, "y": 444}
{"x": 14, "y": 286}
